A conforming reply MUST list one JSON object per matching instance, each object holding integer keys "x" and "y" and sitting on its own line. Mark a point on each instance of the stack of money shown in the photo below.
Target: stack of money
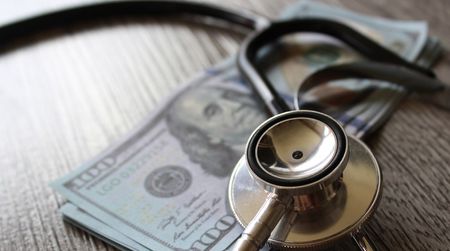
{"x": 164, "y": 185}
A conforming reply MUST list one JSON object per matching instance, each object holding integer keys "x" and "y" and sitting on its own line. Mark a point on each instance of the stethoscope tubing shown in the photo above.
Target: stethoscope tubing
{"x": 265, "y": 32}
{"x": 60, "y": 18}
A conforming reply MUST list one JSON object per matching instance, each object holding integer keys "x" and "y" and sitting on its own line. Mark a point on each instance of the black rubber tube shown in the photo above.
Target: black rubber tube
{"x": 97, "y": 11}
{"x": 251, "y": 45}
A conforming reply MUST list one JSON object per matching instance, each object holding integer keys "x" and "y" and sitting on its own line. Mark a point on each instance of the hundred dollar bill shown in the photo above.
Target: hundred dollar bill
{"x": 360, "y": 105}
{"x": 164, "y": 186}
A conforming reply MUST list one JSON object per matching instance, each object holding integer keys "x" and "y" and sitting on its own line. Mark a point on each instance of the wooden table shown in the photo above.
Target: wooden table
{"x": 67, "y": 94}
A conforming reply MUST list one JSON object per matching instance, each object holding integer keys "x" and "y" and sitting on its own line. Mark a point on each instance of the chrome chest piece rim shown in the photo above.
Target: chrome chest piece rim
{"x": 276, "y": 156}
{"x": 331, "y": 198}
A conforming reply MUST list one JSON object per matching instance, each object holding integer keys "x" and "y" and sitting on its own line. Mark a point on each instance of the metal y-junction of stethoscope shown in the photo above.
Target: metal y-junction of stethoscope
{"x": 303, "y": 183}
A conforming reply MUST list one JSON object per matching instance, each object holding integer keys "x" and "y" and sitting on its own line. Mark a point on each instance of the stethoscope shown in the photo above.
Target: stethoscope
{"x": 302, "y": 183}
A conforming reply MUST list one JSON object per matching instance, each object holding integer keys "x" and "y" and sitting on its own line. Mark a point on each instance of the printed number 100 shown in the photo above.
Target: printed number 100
{"x": 213, "y": 235}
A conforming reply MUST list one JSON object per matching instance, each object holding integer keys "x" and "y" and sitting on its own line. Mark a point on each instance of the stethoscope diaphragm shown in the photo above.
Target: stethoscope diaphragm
{"x": 301, "y": 168}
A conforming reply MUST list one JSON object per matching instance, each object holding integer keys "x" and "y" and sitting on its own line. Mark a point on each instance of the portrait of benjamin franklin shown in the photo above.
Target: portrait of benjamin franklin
{"x": 213, "y": 123}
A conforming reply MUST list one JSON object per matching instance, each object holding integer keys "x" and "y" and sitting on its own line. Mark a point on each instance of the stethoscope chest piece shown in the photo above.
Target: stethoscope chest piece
{"x": 303, "y": 184}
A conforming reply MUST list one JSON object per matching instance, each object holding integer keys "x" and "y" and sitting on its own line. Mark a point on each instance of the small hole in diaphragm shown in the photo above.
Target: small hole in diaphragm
{"x": 297, "y": 155}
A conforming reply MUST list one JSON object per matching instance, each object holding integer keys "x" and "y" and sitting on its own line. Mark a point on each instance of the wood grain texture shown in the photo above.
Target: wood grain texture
{"x": 67, "y": 94}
